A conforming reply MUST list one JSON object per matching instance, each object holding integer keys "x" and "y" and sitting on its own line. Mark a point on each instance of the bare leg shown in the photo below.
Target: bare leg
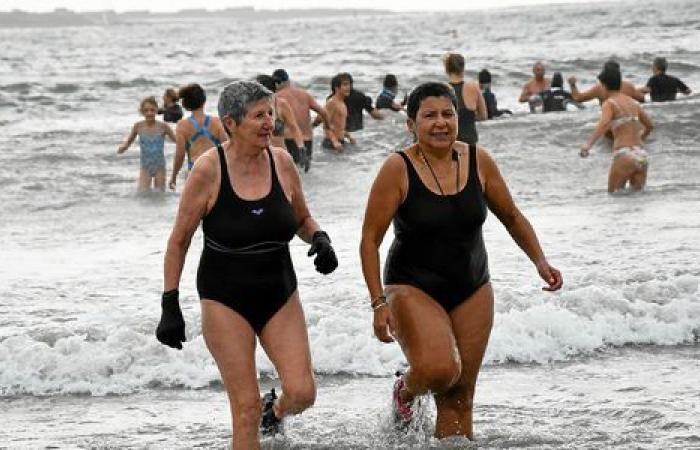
{"x": 231, "y": 341}
{"x": 159, "y": 180}
{"x": 424, "y": 331}
{"x": 286, "y": 342}
{"x": 144, "y": 183}
{"x": 621, "y": 170}
{"x": 471, "y": 322}
{"x": 639, "y": 179}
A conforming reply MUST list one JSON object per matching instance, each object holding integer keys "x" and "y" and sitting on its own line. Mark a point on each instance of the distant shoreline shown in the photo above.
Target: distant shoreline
{"x": 62, "y": 17}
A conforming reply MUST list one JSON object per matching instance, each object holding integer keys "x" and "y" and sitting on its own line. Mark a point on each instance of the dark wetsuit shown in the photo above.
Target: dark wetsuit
{"x": 385, "y": 100}
{"x": 438, "y": 245}
{"x": 663, "y": 88}
{"x": 245, "y": 261}
{"x": 467, "y": 118}
{"x": 555, "y": 99}
{"x": 172, "y": 113}
{"x": 356, "y": 102}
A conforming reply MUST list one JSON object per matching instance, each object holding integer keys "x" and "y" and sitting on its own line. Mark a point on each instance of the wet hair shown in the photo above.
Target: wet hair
{"x": 171, "y": 94}
{"x": 390, "y": 81}
{"x": 267, "y": 81}
{"x": 610, "y": 78}
{"x": 557, "y": 80}
{"x": 612, "y": 64}
{"x": 484, "y": 77}
{"x": 238, "y": 96}
{"x": 660, "y": 63}
{"x": 148, "y": 100}
{"x": 280, "y": 76}
{"x": 193, "y": 96}
{"x": 454, "y": 63}
{"x": 337, "y": 80}
{"x": 425, "y": 90}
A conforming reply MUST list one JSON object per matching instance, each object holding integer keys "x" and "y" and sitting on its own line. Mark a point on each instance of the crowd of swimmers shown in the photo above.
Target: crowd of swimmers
{"x": 435, "y": 296}
{"x": 342, "y": 113}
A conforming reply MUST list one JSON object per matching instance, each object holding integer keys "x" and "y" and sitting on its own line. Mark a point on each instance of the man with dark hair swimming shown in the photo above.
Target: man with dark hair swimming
{"x": 662, "y": 87}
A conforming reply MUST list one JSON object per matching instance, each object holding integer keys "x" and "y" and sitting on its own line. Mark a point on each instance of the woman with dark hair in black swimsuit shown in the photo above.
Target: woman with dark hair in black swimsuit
{"x": 438, "y": 301}
{"x": 249, "y": 200}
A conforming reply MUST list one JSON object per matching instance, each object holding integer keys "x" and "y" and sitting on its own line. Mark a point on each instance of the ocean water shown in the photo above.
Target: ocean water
{"x": 610, "y": 361}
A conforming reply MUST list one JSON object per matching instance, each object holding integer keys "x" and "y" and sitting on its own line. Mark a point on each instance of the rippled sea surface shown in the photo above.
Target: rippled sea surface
{"x": 610, "y": 361}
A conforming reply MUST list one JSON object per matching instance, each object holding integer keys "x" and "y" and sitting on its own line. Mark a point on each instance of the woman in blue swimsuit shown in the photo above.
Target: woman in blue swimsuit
{"x": 151, "y": 134}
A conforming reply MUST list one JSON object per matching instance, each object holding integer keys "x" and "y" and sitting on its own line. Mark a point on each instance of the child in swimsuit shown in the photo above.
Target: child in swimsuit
{"x": 151, "y": 133}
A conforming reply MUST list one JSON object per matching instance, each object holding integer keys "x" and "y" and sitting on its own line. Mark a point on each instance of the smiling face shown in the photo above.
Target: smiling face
{"x": 149, "y": 111}
{"x": 436, "y": 123}
{"x": 256, "y": 127}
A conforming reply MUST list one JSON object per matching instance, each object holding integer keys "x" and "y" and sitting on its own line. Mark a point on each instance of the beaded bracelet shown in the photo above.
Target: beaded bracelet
{"x": 378, "y": 302}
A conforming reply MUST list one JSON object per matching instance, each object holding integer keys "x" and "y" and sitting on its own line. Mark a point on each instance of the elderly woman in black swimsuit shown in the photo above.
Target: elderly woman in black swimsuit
{"x": 248, "y": 197}
{"x": 437, "y": 300}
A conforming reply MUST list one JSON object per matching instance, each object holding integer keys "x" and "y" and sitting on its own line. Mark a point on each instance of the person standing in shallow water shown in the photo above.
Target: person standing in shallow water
{"x": 535, "y": 85}
{"x": 196, "y": 133}
{"x": 437, "y": 301}
{"x": 663, "y": 87}
{"x": 151, "y": 133}
{"x": 470, "y": 103}
{"x": 623, "y": 116}
{"x": 249, "y": 199}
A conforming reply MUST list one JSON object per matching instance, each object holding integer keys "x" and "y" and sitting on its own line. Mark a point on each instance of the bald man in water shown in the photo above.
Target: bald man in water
{"x": 534, "y": 86}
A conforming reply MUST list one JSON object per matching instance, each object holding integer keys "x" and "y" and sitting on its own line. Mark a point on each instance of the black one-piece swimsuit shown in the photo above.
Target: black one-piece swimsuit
{"x": 245, "y": 262}
{"x": 438, "y": 244}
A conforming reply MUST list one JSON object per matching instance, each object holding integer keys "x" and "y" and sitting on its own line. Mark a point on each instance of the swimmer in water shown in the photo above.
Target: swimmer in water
{"x": 338, "y": 114}
{"x": 599, "y": 92}
{"x": 286, "y": 132}
{"x": 535, "y": 85}
{"x": 196, "y": 133}
{"x": 663, "y": 87}
{"x": 623, "y": 116}
{"x": 151, "y": 134}
{"x": 490, "y": 97}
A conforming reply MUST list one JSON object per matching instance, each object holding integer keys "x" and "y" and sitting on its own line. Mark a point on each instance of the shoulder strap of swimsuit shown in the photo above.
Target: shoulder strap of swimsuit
{"x": 473, "y": 169}
{"x": 410, "y": 170}
{"x": 225, "y": 179}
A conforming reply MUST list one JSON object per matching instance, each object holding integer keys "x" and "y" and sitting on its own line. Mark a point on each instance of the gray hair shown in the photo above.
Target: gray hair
{"x": 238, "y": 96}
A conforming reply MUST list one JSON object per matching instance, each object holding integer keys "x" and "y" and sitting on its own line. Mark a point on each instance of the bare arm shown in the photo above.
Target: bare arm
{"x": 194, "y": 203}
{"x": 325, "y": 118}
{"x": 525, "y": 94}
{"x": 646, "y": 123}
{"x": 129, "y": 140}
{"x": 179, "y": 157}
{"x": 169, "y": 132}
{"x": 481, "y": 111}
{"x": 332, "y": 110}
{"x": 377, "y": 115}
{"x": 606, "y": 116}
{"x": 218, "y": 130}
{"x": 385, "y": 197}
{"x": 501, "y": 204}
{"x": 585, "y": 96}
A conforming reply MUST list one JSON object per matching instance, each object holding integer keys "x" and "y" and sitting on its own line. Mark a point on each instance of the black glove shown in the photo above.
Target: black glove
{"x": 325, "y": 260}
{"x": 171, "y": 328}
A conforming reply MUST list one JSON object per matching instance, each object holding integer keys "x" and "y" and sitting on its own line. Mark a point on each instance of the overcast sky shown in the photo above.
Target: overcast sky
{"x": 172, "y": 5}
